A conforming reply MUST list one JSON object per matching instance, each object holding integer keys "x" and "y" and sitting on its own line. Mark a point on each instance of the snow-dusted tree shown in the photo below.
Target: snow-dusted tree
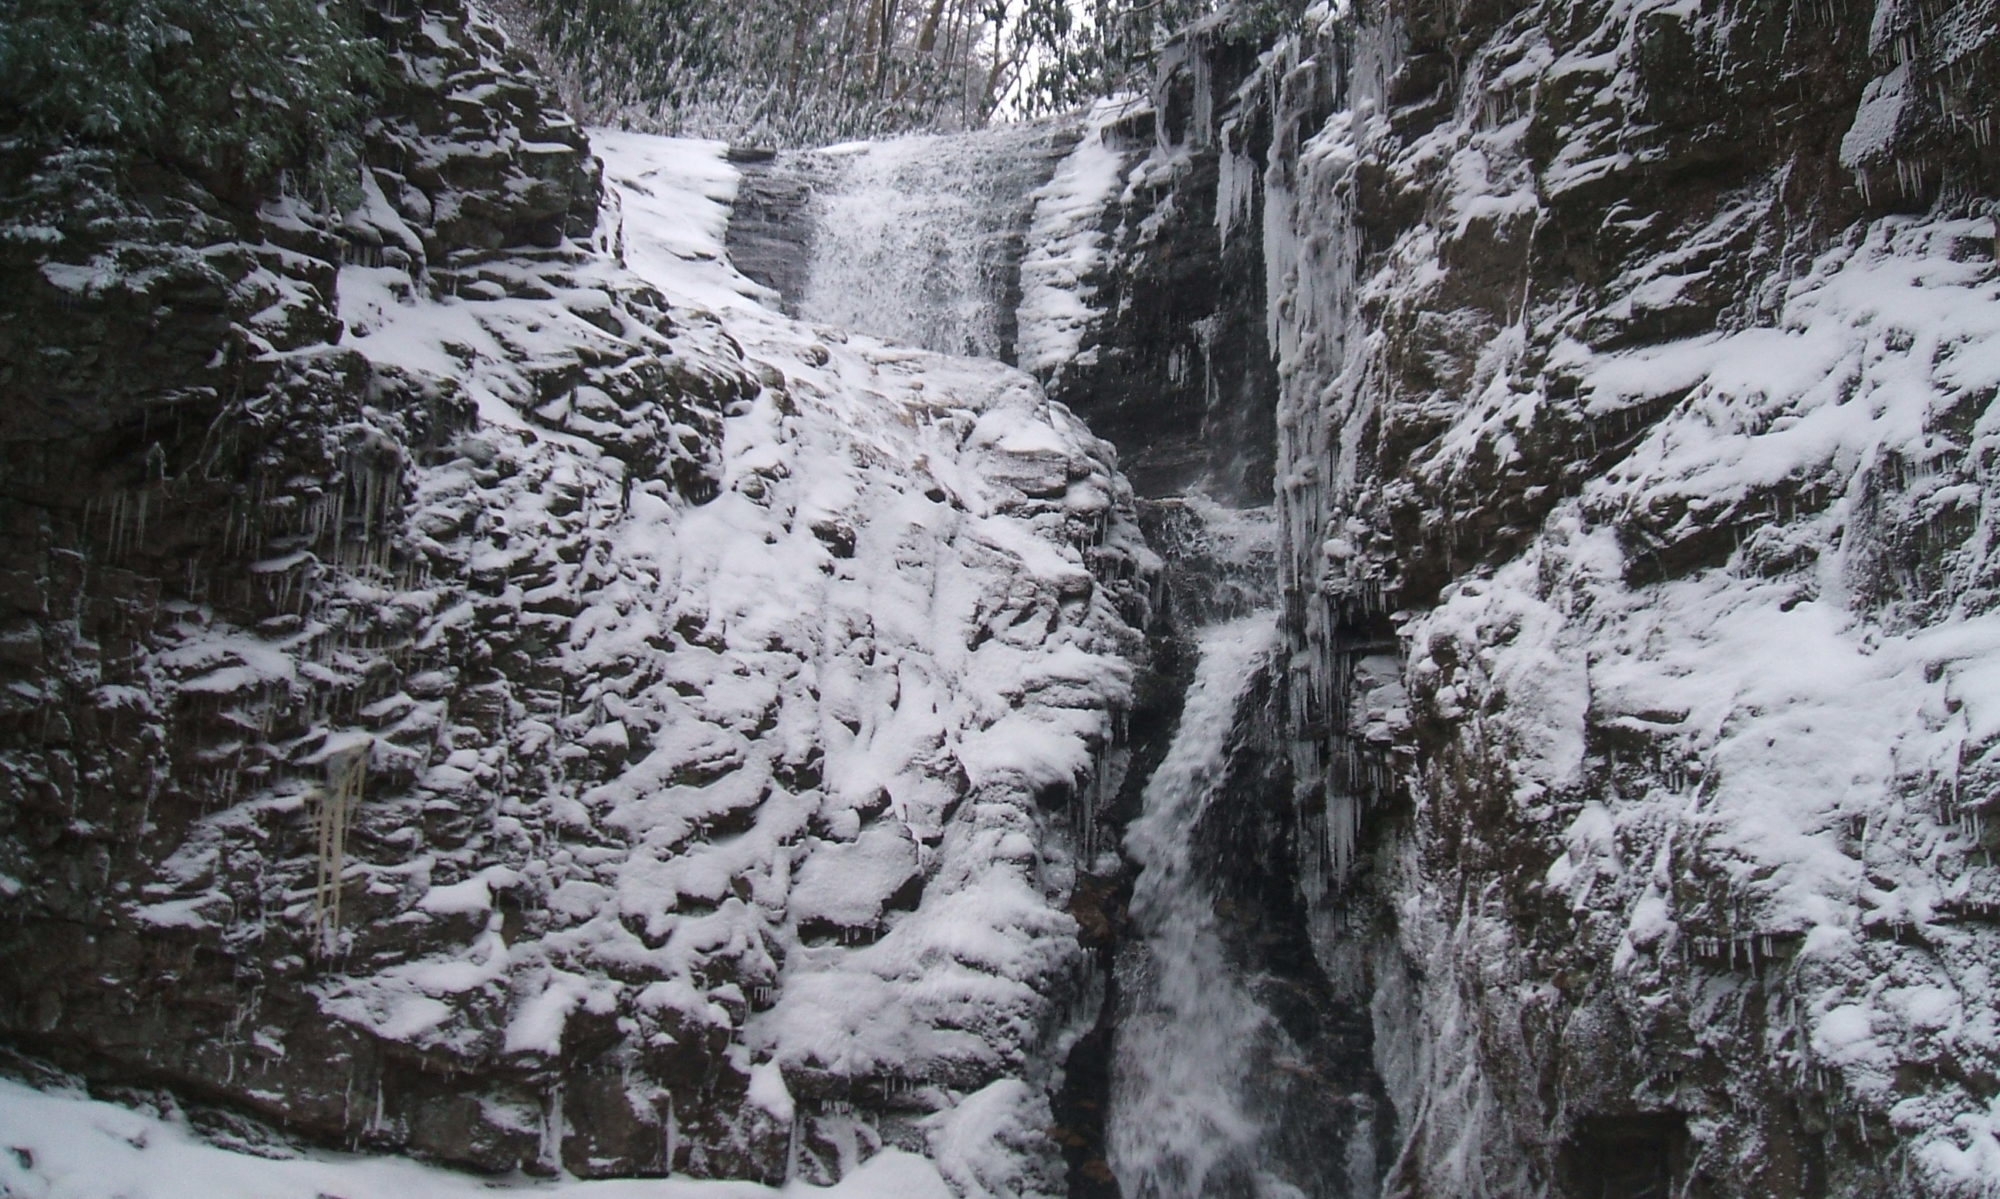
{"x": 1078, "y": 49}
{"x": 803, "y": 71}
{"x": 237, "y": 90}
{"x": 788, "y": 72}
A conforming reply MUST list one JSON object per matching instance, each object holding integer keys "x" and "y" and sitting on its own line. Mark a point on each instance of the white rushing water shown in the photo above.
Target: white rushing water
{"x": 1182, "y": 1113}
{"x": 917, "y": 241}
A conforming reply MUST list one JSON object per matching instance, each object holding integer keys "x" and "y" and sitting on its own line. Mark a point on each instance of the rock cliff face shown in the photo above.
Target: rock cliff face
{"x": 1634, "y": 364}
{"x": 474, "y": 682}
{"x": 1635, "y": 367}
{"x": 462, "y": 698}
{"x": 1174, "y": 369}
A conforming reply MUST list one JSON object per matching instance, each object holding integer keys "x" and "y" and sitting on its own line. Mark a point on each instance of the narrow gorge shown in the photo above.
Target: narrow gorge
{"x": 1409, "y": 611}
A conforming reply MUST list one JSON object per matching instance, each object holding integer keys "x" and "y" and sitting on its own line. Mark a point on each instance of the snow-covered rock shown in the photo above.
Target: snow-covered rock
{"x": 523, "y": 702}
{"x": 1619, "y": 400}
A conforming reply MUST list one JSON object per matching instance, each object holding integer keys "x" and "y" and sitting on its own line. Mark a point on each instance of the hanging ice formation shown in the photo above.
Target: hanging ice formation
{"x": 346, "y": 775}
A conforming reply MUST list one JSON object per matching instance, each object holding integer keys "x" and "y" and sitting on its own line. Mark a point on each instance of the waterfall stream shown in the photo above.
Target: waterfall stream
{"x": 1219, "y": 1086}
{"x": 1184, "y": 1121}
{"x": 918, "y": 241}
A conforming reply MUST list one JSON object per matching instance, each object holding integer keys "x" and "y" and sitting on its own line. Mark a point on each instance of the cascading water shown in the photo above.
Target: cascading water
{"x": 918, "y": 240}
{"x": 1185, "y": 1119}
{"x": 1227, "y": 1079}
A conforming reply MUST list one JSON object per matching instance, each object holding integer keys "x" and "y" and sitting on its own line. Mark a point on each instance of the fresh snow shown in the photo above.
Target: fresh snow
{"x": 60, "y": 1144}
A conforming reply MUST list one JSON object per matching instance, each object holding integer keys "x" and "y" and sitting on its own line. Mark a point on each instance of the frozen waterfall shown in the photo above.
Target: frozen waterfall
{"x": 1226, "y": 1079}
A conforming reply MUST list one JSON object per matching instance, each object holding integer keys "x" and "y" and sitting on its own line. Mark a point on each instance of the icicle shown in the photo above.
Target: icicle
{"x": 671, "y": 1135}
{"x": 347, "y": 773}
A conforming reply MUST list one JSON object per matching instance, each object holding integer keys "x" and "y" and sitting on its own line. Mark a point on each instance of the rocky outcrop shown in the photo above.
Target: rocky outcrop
{"x": 1611, "y": 340}
{"x": 1632, "y": 369}
{"x": 462, "y": 699}
{"x": 770, "y": 219}
{"x": 1170, "y": 361}
{"x": 269, "y": 626}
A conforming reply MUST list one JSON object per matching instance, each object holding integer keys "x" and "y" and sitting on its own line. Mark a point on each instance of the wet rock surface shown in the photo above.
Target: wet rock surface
{"x": 1176, "y": 369}
{"x": 770, "y": 221}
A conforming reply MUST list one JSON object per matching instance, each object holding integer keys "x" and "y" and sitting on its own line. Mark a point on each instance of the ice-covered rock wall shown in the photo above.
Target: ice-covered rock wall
{"x": 1633, "y": 367}
{"x": 1144, "y": 290}
{"x": 1231, "y": 1062}
{"x": 476, "y": 680}
{"x": 1636, "y": 365}
{"x": 477, "y": 683}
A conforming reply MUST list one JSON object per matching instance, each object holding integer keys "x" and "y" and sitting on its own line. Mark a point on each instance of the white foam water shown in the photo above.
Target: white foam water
{"x": 1183, "y": 1122}
{"x": 918, "y": 240}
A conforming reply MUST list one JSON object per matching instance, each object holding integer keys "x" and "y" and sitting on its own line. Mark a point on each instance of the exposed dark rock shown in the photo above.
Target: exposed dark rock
{"x": 192, "y": 459}
{"x": 770, "y": 224}
{"x": 1179, "y": 373}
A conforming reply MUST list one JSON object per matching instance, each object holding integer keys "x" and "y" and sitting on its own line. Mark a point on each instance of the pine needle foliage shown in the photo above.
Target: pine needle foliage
{"x": 235, "y": 90}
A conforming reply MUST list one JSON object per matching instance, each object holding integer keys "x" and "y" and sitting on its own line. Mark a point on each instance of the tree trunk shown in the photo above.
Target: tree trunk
{"x": 848, "y": 45}
{"x": 885, "y": 43}
{"x": 795, "y": 68}
{"x": 1002, "y": 63}
{"x": 927, "y": 39}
